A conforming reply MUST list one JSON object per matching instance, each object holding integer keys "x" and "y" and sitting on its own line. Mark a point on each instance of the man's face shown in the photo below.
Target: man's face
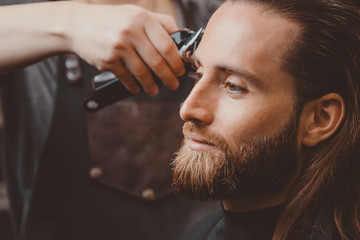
{"x": 240, "y": 118}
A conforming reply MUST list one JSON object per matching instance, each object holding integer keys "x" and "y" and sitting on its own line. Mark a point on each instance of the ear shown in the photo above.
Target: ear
{"x": 321, "y": 118}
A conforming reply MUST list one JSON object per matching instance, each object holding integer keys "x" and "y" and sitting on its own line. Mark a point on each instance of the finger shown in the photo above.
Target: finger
{"x": 140, "y": 71}
{"x": 167, "y": 22}
{"x": 157, "y": 63}
{"x": 165, "y": 46}
{"x": 126, "y": 78}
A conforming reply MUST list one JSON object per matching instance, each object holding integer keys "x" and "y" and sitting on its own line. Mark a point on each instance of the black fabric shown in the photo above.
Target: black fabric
{"x": 324, "y": 226}
{"x": 28, "y": 98}
{"x": 226, "y": 225}
{"x": 260, "y": 225}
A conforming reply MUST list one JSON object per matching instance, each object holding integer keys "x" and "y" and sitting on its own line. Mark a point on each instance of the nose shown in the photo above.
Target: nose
{"x": 200, "y": 105}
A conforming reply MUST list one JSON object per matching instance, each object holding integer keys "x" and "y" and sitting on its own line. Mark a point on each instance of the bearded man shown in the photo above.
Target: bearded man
{"x": 272, "y": 123}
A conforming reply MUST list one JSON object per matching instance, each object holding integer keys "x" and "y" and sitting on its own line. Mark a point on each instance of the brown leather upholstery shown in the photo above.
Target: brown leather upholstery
{"x": 132, "y": 144}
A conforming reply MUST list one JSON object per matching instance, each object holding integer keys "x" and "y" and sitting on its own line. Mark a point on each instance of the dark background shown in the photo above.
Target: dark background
{"x": 5, "y": 226}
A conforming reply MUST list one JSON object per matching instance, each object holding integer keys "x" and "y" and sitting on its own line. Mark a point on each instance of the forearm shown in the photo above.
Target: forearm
{"x": 31, "y": 32}
{"x": 127, "y": 40}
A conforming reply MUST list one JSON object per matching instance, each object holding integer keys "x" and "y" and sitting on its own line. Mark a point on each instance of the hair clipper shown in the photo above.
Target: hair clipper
{"x": 107, "y": 89}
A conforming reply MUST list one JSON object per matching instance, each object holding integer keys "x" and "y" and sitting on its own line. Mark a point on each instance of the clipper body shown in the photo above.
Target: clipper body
{"x": 107, "y": 88}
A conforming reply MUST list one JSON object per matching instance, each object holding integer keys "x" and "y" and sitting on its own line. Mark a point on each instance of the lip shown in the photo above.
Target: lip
{"x": 197, "y": 143}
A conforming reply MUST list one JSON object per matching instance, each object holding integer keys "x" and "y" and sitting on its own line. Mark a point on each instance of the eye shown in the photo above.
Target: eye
{"x": 233, "y": 88}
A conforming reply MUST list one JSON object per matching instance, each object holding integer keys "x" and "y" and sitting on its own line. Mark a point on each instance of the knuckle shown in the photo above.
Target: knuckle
{"x": 130, "y": 84}
{"x": 141, "y": 15}
{"x": 102, "y": 66}
{"x": 109, "y": 58}
{"x": 167, "y": 47}
{"x": 125, "y": 33}
{"x": 106, "y": 62}
{"x": 171, "y": 20}
{"x": 115, "y": 41}
{"x": 141, "y": 73}
{"x": 122, "y": 76}
{"x": 119, "y": 45}
{"x": 158, "y": 63}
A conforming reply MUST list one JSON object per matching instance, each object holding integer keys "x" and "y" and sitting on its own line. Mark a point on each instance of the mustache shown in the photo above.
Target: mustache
{"x": 205, "y": 134}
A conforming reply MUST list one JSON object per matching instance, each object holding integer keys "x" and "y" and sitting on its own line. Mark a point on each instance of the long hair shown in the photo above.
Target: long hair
{"x": 325, "y": 58}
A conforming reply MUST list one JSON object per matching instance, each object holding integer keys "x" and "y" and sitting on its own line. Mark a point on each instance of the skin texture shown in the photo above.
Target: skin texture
{"x": 159, "y": 6}
{"x": 125, "y": 39}
{"x": 226, "y": 100}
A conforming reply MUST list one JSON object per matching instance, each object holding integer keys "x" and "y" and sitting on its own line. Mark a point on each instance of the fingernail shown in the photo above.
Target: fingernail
{"x": 136, "y": 90}
{"x": 181, "y": 72}
{"x": 175, "y": 85}
{"x": 153, "y": 92}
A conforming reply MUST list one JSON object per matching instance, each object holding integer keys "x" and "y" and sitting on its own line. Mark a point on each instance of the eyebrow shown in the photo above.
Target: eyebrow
{"x": 252, "y": 78}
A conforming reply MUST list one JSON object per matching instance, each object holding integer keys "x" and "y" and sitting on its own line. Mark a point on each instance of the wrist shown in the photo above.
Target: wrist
{"x": 63, "y": 27}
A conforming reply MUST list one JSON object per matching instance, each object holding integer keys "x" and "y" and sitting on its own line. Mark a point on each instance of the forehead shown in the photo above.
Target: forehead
{"x": 241, "y": 34}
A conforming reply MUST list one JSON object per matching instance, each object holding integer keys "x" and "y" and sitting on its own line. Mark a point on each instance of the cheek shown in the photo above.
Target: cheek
{"x": 254, "y": 119}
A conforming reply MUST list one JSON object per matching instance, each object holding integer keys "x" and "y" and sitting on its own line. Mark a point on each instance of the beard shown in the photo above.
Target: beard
{"x": 257, "y": 166}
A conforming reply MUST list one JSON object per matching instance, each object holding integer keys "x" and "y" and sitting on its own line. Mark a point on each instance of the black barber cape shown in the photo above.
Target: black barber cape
{"x": 259, "y": 225}
{"x": 255, "y": 225}
{"x": 222, "y": 224}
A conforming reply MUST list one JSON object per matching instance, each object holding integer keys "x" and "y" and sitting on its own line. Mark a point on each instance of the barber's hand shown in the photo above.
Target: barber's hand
{"x": 127, "y": 40}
